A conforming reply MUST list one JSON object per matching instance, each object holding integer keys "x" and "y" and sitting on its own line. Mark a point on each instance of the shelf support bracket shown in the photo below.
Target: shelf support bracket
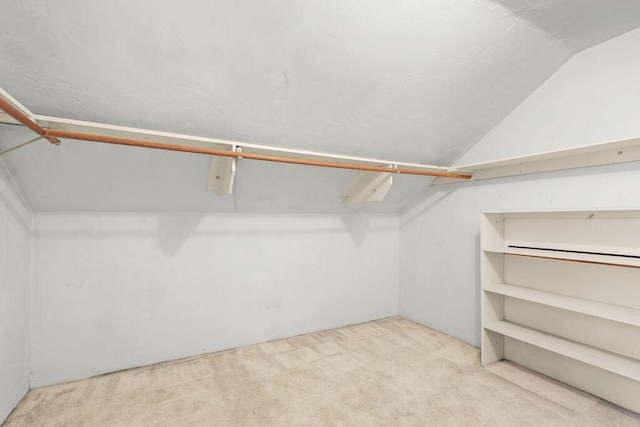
{"x": 368, "y": 186}
{"x": 222, "y": 174}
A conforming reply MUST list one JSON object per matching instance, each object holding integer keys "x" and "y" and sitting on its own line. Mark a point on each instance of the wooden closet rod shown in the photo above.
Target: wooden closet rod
{"x": 198, "y": 150}
{"x": 574, "y": 260}
{"x": 22, "y": 118}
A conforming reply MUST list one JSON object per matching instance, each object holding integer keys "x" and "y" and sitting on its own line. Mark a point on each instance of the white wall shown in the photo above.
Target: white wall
{"x": 15, "y": 256}
{"x": 113, "y": 291}
{"x": 594, "y": 98}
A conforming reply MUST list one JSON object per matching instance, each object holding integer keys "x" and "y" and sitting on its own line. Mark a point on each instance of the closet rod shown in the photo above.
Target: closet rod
{"x": 198, "y": 150}
{"x": 610, "y": 264}
{"x": 28, "y": 122}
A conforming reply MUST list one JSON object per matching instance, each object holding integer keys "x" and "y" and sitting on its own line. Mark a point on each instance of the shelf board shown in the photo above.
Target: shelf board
{"x": 606, "y": 153}
{"x": 590, "y": 355}
{"x": 610, "y": 260}
{"x": 616, "y": 313}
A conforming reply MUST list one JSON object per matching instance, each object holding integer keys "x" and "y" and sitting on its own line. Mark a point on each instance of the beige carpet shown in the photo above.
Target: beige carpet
{"x": 388, "y": 372}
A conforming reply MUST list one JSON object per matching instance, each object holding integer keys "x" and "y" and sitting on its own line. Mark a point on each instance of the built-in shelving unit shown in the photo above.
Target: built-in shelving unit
{"x": 561, "y": 295}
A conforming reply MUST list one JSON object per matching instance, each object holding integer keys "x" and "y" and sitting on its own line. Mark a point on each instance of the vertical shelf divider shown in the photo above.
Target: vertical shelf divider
{"x": 492, "y": 305}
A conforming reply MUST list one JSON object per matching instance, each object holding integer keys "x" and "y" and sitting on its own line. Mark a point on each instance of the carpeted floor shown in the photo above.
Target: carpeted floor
{"x": 388, "y": 372}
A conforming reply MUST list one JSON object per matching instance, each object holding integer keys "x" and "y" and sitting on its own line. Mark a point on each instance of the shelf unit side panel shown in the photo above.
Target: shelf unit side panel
{"x": 492, "y": 272}
{"x": 492, "y": 308}
{"x": 491, "y": 231}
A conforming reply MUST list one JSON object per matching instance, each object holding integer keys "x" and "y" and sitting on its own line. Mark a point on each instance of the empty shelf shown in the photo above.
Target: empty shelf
{"x": 590, "y": 355}
{"x": 616, "y": 313}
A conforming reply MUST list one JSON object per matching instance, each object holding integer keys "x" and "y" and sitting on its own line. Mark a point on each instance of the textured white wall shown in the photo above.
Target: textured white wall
{"x": 15, "y": 250}
{"x": 113, "y": 291}
{"x": 594, "y": 98}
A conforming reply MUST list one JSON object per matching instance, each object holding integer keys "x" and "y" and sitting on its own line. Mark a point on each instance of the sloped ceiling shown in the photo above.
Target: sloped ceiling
{"x": 578, "y": 24}
{"x": 417, "y": 81}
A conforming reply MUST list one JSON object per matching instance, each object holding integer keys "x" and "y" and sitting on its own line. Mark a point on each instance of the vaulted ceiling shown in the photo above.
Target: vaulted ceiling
{"x": 408, "y": 80}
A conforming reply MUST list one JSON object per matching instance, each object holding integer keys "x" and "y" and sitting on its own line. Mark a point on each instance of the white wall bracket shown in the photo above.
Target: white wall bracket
{"x": 368, "y": 187}
{"x": 222, "y": 174}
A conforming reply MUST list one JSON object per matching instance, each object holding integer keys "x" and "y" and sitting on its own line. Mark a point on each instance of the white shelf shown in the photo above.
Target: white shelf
{"x": 616, "y": 313}
{"x": 607, "y": 153}
{"x": 612, "y": 260}
{"x": 590, "y": 355}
